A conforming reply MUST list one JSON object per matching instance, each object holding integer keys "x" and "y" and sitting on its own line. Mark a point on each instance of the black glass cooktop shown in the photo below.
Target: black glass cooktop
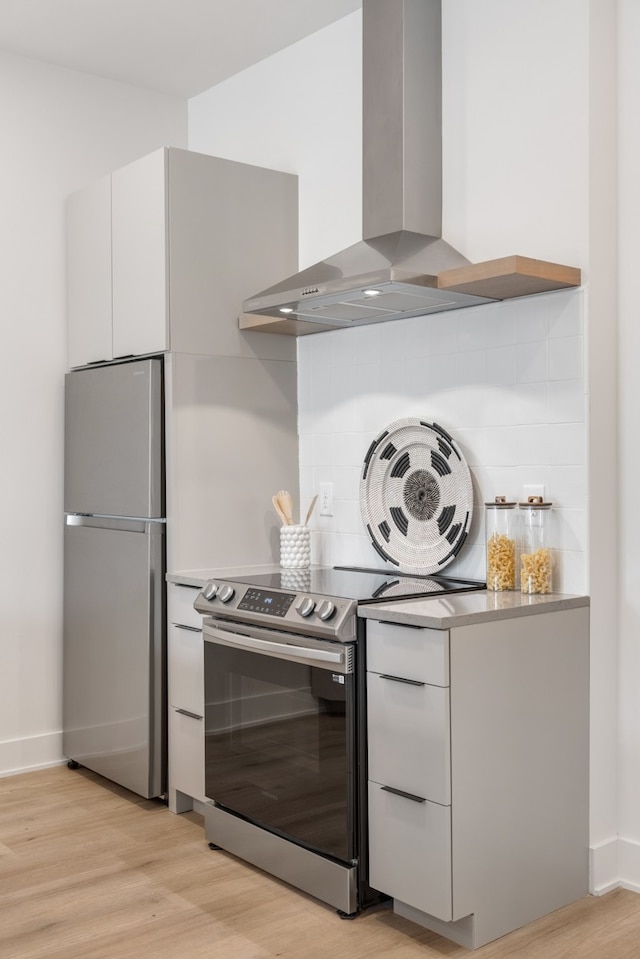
{"x": 359, "y": 584}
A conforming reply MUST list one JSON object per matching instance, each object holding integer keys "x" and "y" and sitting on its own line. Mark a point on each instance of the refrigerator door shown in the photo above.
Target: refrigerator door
{"x": 114, "y": 440}
{"x": 114, "y": 650}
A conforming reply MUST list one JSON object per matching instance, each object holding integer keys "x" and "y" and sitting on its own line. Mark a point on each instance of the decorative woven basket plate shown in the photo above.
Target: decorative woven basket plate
{"x": 416, "y": 496}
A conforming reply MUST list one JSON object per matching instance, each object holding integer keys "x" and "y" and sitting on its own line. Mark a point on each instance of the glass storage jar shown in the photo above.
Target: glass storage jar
{"x": 536, "y": 555}
{"x": 501, "y": 541}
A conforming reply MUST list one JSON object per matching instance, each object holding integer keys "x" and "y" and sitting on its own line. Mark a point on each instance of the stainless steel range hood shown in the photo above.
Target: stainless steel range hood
{"x": 393, "y": 271}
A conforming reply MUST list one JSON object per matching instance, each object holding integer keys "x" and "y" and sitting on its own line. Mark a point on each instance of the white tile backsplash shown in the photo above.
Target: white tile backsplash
{"x": 567, "y": 486}
{"x": 567, "y": 401}
{"x": 472, "y": 368}
{"x": 566, "y": 315}
{"x": 567, "y": 444}
{"x": 472, "y": 330}
{"x": 532, "y": 361}
{"x": 531, "y": 403}
{"x": 565, "y": 358}
{"x": 505, "y": 379}
{"x": 499, "y": 326}
{"x": 501, "y": 366}
{"x": 443, "y": 333}
{"x": 322, "y": 450}
{"x": 531, "y": 317}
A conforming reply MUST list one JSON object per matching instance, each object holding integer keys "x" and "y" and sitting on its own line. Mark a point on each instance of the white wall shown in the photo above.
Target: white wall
{"x": 603, "y": 445}
{"x": 298, "y": 111}
{"x": 515, "y": 115}
{"x": 529, "y": 143}
{"x": 629, "y": 353}
{"x": 60, "y": 130}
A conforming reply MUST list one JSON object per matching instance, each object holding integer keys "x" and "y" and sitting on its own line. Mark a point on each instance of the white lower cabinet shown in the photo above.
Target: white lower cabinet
{"x": 478, "y": 770}
{"x": 409, "y": 738}
{"x": 185, "y": 687}
{"x": 410, "y": 849}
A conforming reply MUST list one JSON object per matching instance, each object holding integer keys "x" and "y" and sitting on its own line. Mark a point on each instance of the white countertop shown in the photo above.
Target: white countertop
{"x": 465, "y": 609}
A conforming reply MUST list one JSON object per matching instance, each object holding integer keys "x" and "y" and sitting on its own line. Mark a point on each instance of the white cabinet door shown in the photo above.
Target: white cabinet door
{"x": 139, "y": 256}
{"x": 185, "y": 682}
{"x": 89, "y": 274}
{"x": 186, "y": 760}
{"x": 410, "y": 652}
{"x": 180, "y": 608}
{"x": 410, "y": 850}
{"x": 409, "y": 738}
{"x": 185, "y": 665}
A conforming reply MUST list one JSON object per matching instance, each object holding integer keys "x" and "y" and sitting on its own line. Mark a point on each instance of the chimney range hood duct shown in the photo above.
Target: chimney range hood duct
{"x": 392, "y": 272}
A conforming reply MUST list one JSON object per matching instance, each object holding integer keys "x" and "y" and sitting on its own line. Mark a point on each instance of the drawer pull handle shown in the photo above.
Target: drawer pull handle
{"x": 185, "y": 712}
{"x": 404, "y": 795}
{"x": 400, "y": 679}
{"x": 190, "y": 629}
{"x": 389, "y": 622}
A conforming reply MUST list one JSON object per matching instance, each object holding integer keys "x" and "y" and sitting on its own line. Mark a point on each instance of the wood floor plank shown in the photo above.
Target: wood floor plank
{"x": 90, "y": 871}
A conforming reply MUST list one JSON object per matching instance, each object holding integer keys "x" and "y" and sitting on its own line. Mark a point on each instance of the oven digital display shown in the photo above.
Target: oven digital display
{"x": 265, "y": 601}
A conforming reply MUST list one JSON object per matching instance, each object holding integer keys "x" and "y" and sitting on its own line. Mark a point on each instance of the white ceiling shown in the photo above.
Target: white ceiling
{"x": 179, "y": 47}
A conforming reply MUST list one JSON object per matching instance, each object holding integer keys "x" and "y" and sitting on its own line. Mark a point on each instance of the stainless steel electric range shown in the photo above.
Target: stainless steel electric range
{"x": 285, "y": 721}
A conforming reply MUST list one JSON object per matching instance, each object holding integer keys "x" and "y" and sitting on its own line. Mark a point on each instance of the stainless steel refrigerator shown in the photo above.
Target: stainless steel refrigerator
{"x": 114, "y": 715}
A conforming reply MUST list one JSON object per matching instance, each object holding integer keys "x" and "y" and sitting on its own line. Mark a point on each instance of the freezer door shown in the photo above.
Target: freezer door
{"x": 113, "y": 462}
{"x": 114, "y": 701}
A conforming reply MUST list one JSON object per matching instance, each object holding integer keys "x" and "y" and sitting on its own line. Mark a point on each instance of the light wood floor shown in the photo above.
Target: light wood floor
{"x": 89, "y": 871}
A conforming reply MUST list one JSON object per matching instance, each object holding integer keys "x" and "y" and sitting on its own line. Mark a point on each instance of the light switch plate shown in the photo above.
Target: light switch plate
{"x": 326, "y": 499}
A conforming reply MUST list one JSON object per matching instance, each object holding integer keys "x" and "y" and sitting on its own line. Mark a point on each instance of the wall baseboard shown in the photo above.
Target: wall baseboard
{"x": 31, "y": 753}
{"x": 629, "y": 864}
{"x": 614, "y": 863}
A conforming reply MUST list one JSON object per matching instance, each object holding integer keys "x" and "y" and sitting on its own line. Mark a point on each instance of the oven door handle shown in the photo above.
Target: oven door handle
{"x": 337, "y": 659}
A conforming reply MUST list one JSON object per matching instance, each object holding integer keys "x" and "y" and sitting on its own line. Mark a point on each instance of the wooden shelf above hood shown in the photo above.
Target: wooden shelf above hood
{"x": 502, "y": 279}
{"x": 285, "y": 326}
{"x": 509, "y": 277}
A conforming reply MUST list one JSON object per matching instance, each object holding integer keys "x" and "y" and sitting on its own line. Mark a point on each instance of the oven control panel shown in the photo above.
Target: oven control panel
{"x": 310, "y": 613}
{"x": 266, "y": 601}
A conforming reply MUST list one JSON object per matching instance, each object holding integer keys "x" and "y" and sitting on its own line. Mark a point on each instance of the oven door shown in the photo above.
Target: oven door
{"x": 280, "y": 733}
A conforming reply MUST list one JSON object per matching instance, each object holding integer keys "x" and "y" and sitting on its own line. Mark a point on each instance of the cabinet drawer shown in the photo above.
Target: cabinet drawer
{"x": 409, "y": 739}
{"x": 410, "y": 851}
{"x": 180, "y": 601}
{"x": 421, "y": 654}
{"x": 185, "y": 668}
{"x": 186, "y": 754}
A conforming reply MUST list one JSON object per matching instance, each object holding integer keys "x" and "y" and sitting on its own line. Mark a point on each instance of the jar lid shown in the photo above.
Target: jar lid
{"x": 535, "y": 502}
{"x": 500, "y": 502}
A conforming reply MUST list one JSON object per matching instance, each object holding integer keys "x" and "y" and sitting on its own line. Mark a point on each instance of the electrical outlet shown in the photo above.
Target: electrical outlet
{"x": 534, "y": 489}
{"x": 326, "y": 499}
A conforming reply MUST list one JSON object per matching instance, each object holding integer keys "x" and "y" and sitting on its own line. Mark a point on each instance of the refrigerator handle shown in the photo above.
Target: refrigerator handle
{"x": 130, "y": 525}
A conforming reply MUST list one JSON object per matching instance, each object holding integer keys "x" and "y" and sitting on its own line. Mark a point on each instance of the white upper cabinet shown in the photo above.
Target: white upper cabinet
{"x": 162, "y": 253}
{"x": 139, "y": 238}
{"x": 89, "y": 274}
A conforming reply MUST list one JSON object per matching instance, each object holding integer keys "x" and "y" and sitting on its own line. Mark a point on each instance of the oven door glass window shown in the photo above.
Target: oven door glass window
{"x": 280, "y": 746}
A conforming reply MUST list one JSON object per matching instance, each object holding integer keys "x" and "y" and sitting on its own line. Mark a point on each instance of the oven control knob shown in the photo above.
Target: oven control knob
{"x": 326, "y": 609}
{"x": 210, "y": 590}
{"x": 225, "y": 593}
{"x": 306, "y": 606}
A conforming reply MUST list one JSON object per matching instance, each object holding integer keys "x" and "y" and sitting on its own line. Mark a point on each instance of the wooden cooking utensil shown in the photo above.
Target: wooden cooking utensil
{"x": 278, "y": 509}
{"x": 286, "y": 505}
{"x": 310, "y": 510}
